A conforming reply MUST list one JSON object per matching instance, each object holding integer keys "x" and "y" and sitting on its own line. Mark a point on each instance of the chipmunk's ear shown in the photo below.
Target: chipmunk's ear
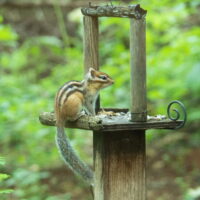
{"x": 91, "y": 72}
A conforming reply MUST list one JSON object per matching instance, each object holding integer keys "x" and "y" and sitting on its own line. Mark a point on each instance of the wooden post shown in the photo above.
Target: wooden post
{"x": 138, "y": 96}
{"x": 91, "y": 46}
{"x": 119, "y": 162}
{"x": 138, "y": 69}
{"x": 91, "y": 42}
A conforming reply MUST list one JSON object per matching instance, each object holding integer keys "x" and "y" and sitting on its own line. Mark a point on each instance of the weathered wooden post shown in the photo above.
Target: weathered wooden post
{"x": 119, "y": 140}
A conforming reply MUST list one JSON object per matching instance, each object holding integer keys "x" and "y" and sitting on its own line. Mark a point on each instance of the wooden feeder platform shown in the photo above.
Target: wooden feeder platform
{"x": 115, "y": 120}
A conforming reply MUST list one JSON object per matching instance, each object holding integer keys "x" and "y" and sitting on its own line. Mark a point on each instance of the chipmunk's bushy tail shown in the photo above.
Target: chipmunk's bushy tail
{"x": 71, "y": 158}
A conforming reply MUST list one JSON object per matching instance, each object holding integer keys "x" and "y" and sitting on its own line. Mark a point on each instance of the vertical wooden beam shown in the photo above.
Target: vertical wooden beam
{"x": 91, "y": 46}
{"x": 119, "y": 165}
{"x": 138, "y": 69}
{"x": 91, "y": 42}
{"x": 138, "y": 97}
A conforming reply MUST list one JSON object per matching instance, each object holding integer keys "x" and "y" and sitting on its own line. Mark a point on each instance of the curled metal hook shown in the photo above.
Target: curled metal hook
{"x": 177, "y": 117}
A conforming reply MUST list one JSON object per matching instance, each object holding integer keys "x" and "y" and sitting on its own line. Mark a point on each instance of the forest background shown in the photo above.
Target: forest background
{"x": 41, "y": 44}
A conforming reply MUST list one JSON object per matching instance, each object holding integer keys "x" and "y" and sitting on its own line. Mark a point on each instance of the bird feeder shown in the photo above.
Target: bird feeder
{"x": 119, "y": 140}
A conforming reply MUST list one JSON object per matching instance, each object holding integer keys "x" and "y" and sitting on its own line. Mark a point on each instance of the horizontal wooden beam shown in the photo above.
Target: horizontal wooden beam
{"x": 132, "y": 11}
{"x": 116, "y": 122}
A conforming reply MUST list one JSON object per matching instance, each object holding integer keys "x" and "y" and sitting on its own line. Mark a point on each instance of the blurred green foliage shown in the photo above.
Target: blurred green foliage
{"x": 193, "y": 194}
{"x": 4, "y": 176}
{"x": 32, "y": 70}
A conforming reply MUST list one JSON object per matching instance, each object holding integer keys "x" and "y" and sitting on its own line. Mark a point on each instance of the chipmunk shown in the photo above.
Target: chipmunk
{"x": 71, "y": 99}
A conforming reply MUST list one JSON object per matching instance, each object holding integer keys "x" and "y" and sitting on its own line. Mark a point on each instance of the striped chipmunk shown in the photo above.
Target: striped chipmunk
{"x": 71, "y": 99}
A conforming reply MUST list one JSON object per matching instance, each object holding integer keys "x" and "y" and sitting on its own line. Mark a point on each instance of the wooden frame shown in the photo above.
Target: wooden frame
{"x": 119, "y": 141}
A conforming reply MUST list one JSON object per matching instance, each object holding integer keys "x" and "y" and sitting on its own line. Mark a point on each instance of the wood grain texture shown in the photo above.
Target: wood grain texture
{"x": 119, "y": 159}
{"x": 91, "y": 46}
{"x": 138, "y": 69}
{"x": 138, "y": 109}
{"x": 91, "y": 43}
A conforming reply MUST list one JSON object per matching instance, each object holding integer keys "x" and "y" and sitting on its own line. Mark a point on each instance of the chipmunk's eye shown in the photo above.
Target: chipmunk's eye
{"x": 103, "y": 77}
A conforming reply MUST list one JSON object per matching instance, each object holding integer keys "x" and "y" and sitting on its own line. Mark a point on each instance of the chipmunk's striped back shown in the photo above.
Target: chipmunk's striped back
{"x": 66, "y": 90}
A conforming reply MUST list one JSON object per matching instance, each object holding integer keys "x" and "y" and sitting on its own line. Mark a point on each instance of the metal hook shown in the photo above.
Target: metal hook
{"x": 177, "y": 113}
